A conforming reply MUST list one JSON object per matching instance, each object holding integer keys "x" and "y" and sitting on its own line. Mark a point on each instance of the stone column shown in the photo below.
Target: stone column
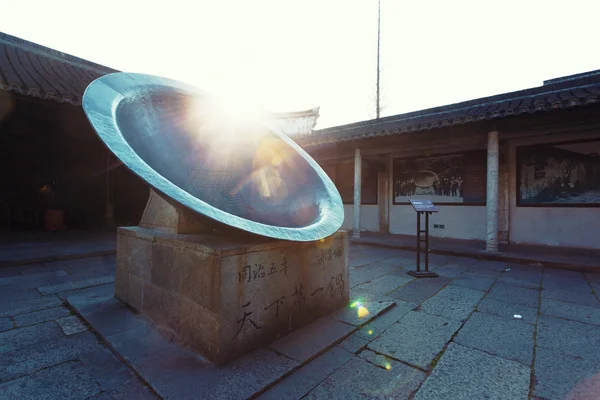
{"x": 357, "y": 194}
{"x": 491, "y": 244}
{"x": 109, "y": 215}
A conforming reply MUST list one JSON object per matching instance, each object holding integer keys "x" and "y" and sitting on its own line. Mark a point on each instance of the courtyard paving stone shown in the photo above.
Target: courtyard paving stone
{"x": 473, "y": 281}
{"x": 420, "y": 290}
{"x": 508, "y": 310}
{"x": 572, "y": 296}
{"x": 512, "y": 340}
{"x": 22, "y": 306}
{"x": 384, "y": 284}
{"x": 79, "y": 284}
{"x": 359, "y": 379}
{"x": 375, "y": 328}
{"x": 71, "y": 325}
{"x": 571, "y": 337}
{"x": 5, "y": 324}
{"x": 416, "y": 339}
{"x": 369, "y": 272}
{"x": 463, "y": 373}
{"x": 354, "y": 343}
{"x": 453, "y": 302}
{"x": 559, "y": 375}
{"x": 309, "y": 376}
{"x": 36, "y": 317}
{"x": 575, "y": 312}
{"x": 515, "y": 294}
{"x": 361, "y": 312}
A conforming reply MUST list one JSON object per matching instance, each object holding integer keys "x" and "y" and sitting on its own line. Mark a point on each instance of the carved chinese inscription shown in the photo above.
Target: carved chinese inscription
{"x": 330, "y": 254}
{"x": 336, "y": 286}
{"x": 251, "y": 273}
{"x": 242, "y": 321}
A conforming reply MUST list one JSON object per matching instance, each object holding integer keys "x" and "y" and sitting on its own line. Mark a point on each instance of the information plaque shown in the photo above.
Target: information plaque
{"x": 423, "y": 207}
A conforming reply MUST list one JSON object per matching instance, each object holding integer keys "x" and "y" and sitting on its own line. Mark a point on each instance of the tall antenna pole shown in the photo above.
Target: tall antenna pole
{"x": 377, "y": 110}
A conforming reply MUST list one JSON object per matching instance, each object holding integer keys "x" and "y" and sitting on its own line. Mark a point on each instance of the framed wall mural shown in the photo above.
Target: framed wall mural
{"x": 559, "y": 175}
{"x": 448, "y": 179}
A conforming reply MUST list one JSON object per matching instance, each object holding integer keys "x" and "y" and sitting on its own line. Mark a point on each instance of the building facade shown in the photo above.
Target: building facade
{"x": 520, "y": 167}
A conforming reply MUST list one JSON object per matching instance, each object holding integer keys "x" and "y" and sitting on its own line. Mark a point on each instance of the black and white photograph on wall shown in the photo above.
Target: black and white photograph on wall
{"x": 565, "y": 174}
{"x": 439, "y": 179}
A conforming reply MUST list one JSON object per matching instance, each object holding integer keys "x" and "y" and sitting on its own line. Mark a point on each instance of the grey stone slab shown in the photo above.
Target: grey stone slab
{"x": 466, "y": 374}
{"x": 22, "y": 306}
{"x": 312, "y": 339}
{"x": 45, "y": 354}
{"x": 132, "y": 389}
{"x": 115, "y": 317}
{"x": 572, "y": 311}
{"x": 592, "y": 277}
{"x": 360, "y": 312}
{"x": 512, "y": 340}
{"x": 36, "y": 317}
{"x": 572, "y": 296}
{"x": 515, "y": 294}
{"x": 385, "y": 284}
{"x": 174, "y": 372}
{"x": 451, "y": 270}
{"x": 399, "y": 261}
{"x": 363, "y": 295}
{"x": 71, "y": 325}
{"x": 492, "y": 266}
{"x": 522, "y": 277}
{"x": 6, "y": 324}
{"x": 376, "y": 327}
{"x": 562, "y": 376}
{"x": 67, "y": 286}
{"x": 370, "y": 272}
{"x": 571, "y": 337}
{"x": 65, "y": 381}
{"x": 15, "y": 339}
{"x": 420, "y": 289}
{"x": 89, "y": 300}
{"x": 416, "y": 339}
{"x": 354, "y": 343}
{"x": 576, "y": 282}
{"x": 108, "y": 371}
{"x": 9, "y": 294}
{"x": 306, "y": 378}
{"x": 359, "y": 379}
{"x": 472, "y": 281}
{"x": 484, "y": 273}
{"x": 453, "y": 302}
{"x": 378, "y": 359}
{"x": 37, "y": 277}
{"x": 508, "y": 310}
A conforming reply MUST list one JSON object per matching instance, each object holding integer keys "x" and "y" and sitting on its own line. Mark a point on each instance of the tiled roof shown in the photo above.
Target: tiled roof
{"x": 566, "y": 92}
{"x": 33, "y": 70}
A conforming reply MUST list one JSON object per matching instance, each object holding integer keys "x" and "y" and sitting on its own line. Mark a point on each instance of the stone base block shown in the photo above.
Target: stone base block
{"x": 223, "y": 295}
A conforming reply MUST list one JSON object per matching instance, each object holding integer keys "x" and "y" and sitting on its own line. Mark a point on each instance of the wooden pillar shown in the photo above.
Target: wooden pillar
{"x": 491, "y": 243}
{"x": 357, "y": 194}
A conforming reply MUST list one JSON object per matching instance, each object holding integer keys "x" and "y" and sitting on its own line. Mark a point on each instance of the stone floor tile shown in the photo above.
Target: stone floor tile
{"x": 360, "y": 312}
{"x": 452, "y": 270}
{"x": 80, "y": 284}
{"x": 562, "y": 376}
{"x": 384, "y": 284}
{"x": 369, "y": 272}
{"x": 466, "y": 374}
{"x": 508, "y": 310}
{"x": 572, "y": 296}
{"x": 571, "y": 337}
{"x": 472, "y": 281}
{"x": 577, "y": 283}
{"x": 493, "y": 266}
{"x": 309, "y": 376}
{"x": 376, "y": 327}
{"x": 22, "y": 306}
{"x": 11, "y": 295}
{"x": 501, "y": 337}
{"x": 420, "y": 289}
{"x": 16, "y": 339}
{"x": 45, "y": 354}
{"x": 310, "y": 340}
{"x": 68, "y": 381}
{"x": 378, "y": 359}
{"x": 361, "y": 379}
{"x": 133, "y": 389}
{"x": 116, "y": 317}
{"x": 6, "y": 324}
{"x": 416, "y": 339}
{"x": 354, "y": 343}
{"x": 521, "y": 277}
{"x": 37, "y": 277}
{"x": 453, "y": 302}
{"x": 361, "y": 295}
{"x": 514, "y": 294}
{"x": 71, "y": 325}
{"x": 102, "y": 364}
{"x": 592, "y": 277}
{"x": 36, "y": 317}
{"x": 572, "y": 311}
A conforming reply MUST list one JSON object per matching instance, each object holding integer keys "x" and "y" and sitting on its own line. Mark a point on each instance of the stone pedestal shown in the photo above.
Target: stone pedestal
{"x": 225, "y": 295}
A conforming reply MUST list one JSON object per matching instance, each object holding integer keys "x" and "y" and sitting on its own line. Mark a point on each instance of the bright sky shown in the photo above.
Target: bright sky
{"x": 294, "y": 55}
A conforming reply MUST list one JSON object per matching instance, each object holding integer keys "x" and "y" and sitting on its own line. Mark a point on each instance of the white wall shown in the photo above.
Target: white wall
{"x": 554, "y": 226}
{"x": 369, "y": 217}
{"x": 460, "y": 222}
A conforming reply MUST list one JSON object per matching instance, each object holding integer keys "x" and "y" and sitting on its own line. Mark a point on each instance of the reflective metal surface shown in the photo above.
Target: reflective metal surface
{"x": 236, "y": 172}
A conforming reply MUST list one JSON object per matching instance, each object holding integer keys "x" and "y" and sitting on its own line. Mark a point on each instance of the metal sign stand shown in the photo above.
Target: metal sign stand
{"x": 425, "y": 207}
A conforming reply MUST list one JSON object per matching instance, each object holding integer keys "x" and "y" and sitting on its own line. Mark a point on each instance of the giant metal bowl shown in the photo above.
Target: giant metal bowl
{"x": 237, "y": 172}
